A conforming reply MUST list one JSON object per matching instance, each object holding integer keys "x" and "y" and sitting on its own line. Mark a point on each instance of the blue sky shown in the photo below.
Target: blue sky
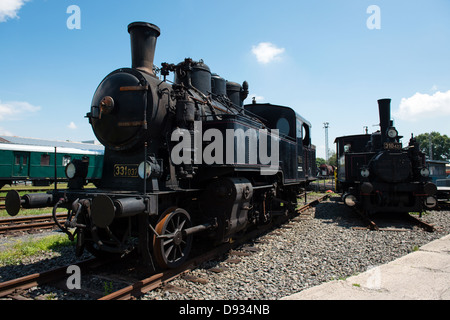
{"x": 318, "y": 57}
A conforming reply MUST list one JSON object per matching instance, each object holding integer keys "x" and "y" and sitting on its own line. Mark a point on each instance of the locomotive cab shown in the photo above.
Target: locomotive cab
{"x": 295, "y": 142}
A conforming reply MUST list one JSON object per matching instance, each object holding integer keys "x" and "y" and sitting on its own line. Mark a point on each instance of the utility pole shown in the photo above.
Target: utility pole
{"x": 430, "y": 146}
{"x": 326, "y": 125}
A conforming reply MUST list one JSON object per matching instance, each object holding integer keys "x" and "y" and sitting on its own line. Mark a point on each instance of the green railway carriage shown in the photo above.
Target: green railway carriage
{"x": 19, "y": 162}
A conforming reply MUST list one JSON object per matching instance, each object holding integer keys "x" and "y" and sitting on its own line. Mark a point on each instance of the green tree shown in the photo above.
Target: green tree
{"x": 320, "y": 161}
{"x": 332, "y": 160}
{"x": 440, "y": 145}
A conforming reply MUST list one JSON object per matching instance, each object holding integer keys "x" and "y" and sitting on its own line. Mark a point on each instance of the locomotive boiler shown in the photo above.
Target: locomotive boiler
{"x": 182, "y": 158}
{"x": 375, "y": 173}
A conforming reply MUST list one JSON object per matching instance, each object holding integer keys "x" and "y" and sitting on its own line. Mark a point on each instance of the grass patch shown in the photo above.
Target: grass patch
{"x": 29, "y": 212}
{"x": 15, "y": 253}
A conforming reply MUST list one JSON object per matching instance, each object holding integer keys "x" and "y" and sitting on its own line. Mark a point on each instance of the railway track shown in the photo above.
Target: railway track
{"x": 14, "y": 289}
{"x": 157, "y": 280}
{"x": 405, "y": 217}
{"x": 28, "y": 223}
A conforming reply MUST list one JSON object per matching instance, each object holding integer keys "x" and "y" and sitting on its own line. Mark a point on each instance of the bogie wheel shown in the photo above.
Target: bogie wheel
{"x": 171, "y": 248}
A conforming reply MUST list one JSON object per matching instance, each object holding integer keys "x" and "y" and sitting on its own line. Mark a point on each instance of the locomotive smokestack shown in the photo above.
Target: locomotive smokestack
{"x": 143, "y": 43}
{"x": 384, "y": 108}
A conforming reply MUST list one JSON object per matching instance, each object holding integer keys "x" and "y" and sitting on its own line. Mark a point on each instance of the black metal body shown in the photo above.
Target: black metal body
{"x": 221, "y": 186}
{"x": 376, "y": 174}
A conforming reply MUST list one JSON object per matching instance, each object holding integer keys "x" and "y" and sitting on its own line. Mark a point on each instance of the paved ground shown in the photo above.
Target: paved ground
{"x": 421, "y": 275}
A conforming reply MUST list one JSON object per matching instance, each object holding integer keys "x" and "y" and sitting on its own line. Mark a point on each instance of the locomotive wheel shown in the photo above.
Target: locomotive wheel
{"x": 172, "y": 246}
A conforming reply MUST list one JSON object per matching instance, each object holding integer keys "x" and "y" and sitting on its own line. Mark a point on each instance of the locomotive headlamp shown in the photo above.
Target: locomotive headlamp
{"x": 70, "y": 170}
{"x": 365, "y": 172}
{"x": 392, "y": 133}
{"x": 77, "y": 168}
{"x": 148, "y": 169}
{"x": 424, "y": 172}
{"x": 77, "y": 171}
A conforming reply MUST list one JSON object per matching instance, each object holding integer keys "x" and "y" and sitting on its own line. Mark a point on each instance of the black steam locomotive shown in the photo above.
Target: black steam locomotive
{"x": 181, "y": 158}
{"x": 376, "y": 174}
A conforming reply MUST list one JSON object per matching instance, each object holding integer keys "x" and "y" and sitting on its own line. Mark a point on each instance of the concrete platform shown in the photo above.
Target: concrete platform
{"x": 420, "y": 275}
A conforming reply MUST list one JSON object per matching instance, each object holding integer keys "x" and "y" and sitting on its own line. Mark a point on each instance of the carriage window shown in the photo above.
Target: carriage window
{"x": 347, "y": 147}
{"x": 305, "y": 135}
{"x": 283, "y": 126}
{"x": 66, "y": 160}
{"x": 17, "y": 160}
{"x": 45, "y": 160}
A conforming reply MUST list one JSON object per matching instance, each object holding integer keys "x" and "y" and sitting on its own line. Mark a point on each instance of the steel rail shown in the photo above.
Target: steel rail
{"x": 29, "y": 222}
{"x": 371, "y": 225}
{"x": 10, "y": 287}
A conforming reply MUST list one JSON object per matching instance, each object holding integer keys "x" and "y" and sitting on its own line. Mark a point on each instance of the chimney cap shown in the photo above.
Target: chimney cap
{"x": 144, "y": 24}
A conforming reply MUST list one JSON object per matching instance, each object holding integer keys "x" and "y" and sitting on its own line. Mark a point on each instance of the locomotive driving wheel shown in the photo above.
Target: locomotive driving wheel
{"x": 172, "y": 246}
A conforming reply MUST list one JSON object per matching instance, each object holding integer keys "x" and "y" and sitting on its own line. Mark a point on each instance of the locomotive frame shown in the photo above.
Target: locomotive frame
{"x": 155, "y": 192}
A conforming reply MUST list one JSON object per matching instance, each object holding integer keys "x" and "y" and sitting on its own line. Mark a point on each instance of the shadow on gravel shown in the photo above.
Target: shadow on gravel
{"x": 336, "y": 212}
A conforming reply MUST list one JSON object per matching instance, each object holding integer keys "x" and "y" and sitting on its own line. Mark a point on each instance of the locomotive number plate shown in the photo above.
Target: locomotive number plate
{"x": 392, "y": 146}
{"x": 126, "y": 170}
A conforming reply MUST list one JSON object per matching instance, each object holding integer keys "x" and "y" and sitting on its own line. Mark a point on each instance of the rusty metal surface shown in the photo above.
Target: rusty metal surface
{"x": 16, "y": 285}
{"x": 25, "y": 223}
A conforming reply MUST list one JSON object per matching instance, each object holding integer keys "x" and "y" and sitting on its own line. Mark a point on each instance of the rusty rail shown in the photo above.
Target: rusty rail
{"x": 25, "y": 223}
{"x": 9, "y": 288}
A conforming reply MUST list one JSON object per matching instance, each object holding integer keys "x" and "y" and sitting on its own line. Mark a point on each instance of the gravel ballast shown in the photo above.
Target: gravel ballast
{"x": 322, "y": 246}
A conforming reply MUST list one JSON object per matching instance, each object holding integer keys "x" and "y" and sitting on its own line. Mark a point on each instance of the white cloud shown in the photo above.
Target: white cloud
{"x": 266, "y": 52}
{"x": 10, "y": 8}
{"x": 13, "y": 110}
{"x": 72, "y": 125}
{"x": 422, "y": 105}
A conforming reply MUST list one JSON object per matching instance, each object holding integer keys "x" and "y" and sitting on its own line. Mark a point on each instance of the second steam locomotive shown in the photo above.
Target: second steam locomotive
{"x": 375, "y": 173}
{"x": 180, "y": 159}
